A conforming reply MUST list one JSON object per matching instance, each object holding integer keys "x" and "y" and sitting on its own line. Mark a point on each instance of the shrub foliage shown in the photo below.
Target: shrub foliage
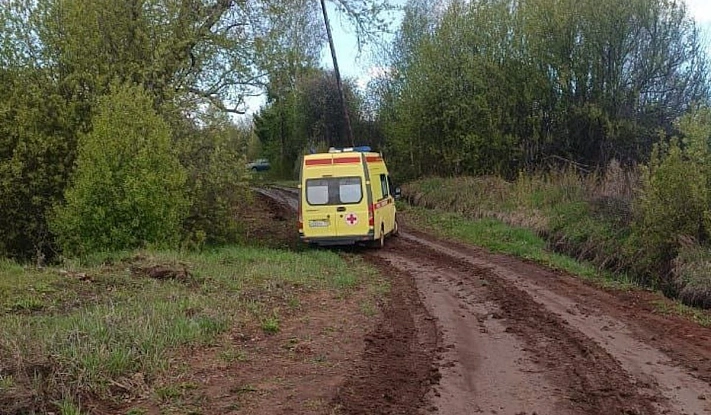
{"x": 673, "y": 205}
{"x": 214, "y": 158}
{"x": 128, "y": 190}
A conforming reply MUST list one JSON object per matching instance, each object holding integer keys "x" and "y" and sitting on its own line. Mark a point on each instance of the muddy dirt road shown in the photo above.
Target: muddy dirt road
{"x": 490, "y": 334}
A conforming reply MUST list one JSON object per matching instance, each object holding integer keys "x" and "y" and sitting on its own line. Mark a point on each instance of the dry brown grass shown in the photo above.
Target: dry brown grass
{"x": 691, "y": 272}
{"x": 578, "y": 214}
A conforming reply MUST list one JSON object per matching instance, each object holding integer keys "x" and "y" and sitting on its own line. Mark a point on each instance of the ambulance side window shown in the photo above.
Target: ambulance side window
{"x": 384, "y": 185}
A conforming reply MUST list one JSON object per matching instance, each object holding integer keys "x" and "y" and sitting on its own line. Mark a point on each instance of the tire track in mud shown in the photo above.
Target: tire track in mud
{"x": 484, "y": 367}
{"x": 397, "y": 368}
{"x": 523, "y": 359}
{"x": 472, "y": 332}
{"x": 668, "y": 384}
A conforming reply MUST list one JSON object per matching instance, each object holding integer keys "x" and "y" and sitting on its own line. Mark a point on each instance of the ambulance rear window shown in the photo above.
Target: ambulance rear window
{"x": 334, "y": 191}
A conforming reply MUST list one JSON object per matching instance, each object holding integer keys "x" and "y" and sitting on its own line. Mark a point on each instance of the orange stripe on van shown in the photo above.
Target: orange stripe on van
{"x": 346, "y": 160}
{"x": 319, "y": 162}
{"x": 381, "y": 204}
{"x": 373, "y": 159}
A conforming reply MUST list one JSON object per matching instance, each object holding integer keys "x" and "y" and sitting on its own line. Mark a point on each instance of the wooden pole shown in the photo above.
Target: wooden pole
{"x": 338, "y": 74}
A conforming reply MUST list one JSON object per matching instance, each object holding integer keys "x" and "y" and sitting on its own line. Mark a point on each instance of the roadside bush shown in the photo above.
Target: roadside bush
{"x": 584, "y": 216}
{"x": 128, "y": 190}
{"x": 37, "y": 150}
{"x": 214, "y": 157}
{"x": 673, "y": 204}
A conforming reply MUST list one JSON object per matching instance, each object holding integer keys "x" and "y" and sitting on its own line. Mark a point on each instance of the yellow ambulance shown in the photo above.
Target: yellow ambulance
{"x": 346, "y": 197}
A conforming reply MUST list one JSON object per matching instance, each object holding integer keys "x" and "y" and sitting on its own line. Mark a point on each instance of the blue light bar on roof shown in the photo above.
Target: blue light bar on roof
{"x": 361, "y": 149}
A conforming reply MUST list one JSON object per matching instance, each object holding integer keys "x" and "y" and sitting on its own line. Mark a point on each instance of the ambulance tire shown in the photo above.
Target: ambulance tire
{"x": 396, "y": 229}
{"x": 380, "y": 242}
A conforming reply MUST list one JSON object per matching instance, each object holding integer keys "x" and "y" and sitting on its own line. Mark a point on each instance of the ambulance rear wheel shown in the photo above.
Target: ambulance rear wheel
{"x": 396, "y": 228}
{"x": 380, "y": 242}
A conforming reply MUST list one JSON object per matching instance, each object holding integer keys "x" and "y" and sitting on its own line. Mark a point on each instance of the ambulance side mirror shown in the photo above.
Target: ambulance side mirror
{"x": 397, "y": 193}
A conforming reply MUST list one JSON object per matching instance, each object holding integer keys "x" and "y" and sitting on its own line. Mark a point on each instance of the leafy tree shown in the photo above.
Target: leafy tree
{"x": 59, "y": 58}
{"x": 214, "y": 158}
{"x": 309, "y": 116}
{"x": 128, "y": 190}
{"x": 37, "y": 147}
{"x": 454, "y": 104}
{"x": 496, "y": 86}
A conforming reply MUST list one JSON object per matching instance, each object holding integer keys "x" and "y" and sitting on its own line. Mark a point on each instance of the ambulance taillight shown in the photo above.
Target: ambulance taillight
{"x": 301, "y": 219}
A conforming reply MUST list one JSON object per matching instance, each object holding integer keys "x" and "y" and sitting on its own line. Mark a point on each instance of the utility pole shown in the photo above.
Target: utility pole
{"x": 338, "y": 74}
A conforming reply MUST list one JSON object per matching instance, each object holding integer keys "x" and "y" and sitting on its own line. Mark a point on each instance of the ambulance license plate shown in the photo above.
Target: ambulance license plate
{"x": 318, "y": 223}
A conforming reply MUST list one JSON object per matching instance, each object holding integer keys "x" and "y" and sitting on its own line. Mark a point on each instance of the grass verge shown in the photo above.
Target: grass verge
{"x": 587, "y": 218}
{"x": 104, "y": 328}
{"x": 590, "y": 218}
{"x": 499, "y": 237}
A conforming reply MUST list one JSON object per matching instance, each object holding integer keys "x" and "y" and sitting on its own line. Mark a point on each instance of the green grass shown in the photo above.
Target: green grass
{"x": 6, "y": 382}
{"x": 168, "y": 393}
{"x": 67, "y": 407}
{"x": 230, "y": 354}
{"x": 586, "y": 218}
{"x": 499, "y": 237}
{"x": 270, "y": 325}
{"x": 61, "y": 336}
{"x": 676, "y": 308}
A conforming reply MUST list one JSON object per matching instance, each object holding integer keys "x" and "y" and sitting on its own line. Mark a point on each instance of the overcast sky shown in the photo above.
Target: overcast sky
{"x": 360, "y": 67}
{"x": 701, "y": 9}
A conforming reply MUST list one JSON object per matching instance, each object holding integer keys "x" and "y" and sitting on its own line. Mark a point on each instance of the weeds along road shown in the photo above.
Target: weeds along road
{"x": 505, "y": 336}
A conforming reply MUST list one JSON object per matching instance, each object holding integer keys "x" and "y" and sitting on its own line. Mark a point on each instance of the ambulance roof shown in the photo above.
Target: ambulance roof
{"x": 341, "y": 158}
{"x": 344, "y": 152}
{"x": 362, "y": 149}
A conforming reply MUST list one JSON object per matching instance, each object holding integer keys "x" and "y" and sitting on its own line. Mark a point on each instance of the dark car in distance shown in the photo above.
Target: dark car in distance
{"x": 259, "y": 165}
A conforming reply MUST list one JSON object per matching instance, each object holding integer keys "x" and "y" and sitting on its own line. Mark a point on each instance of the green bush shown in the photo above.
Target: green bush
{"x": 37, "y": 149}
{"x": 673, "y": 204}
{"x": 217, "y": 180}
{"x": 128, "y": 189}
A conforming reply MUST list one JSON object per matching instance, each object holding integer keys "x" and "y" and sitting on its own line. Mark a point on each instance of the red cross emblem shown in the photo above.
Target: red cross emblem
{"x": 351, "y": 219}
